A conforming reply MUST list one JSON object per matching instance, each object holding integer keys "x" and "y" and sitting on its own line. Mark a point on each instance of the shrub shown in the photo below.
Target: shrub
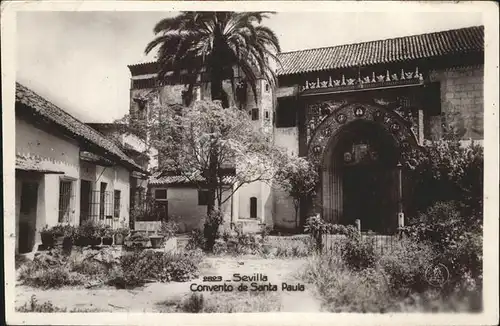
{"x": 34, "y": 306}
{"x": 457, "y": 243}
{"x": 194, "y": 303}
{"x": 405, "y": 266}
{"x": 168, "y": 229}
{"x": 446, "y": 170}
{"x": 345, "y": 290}
{"x": 358, "y": 253}
{"x": 138, "y": 267}
{"x": 196, "y": 240}
{"x": 294, "y": 247}
{"x": 38, "y": 275}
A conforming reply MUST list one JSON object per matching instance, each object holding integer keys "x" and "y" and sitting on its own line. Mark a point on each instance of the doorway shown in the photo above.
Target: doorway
{"x": 27, "y": 216}
{"x": 85, "y": 191}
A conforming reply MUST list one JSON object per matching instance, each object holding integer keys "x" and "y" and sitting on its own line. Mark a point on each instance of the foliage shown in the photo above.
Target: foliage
{"x": 194, "y": 303}
{"x": 287, "y": 248}
{"x": 34, "y": 306}
{"x": 123, "y": 231}
{"x": 445, "y": 171}
{"x": 215, "y": 42}
{"x": 168, "y": 229}
{"x": 38, "y": 274}
{"x": 405, "y": 266}
{"x": 89, "y": 229}
{"x": 456, "y": 241}
{"x": 58, "y": 230}
{"x": 358, "y": 253}
{"x": 140, "y": 266}
{"x": 299, "y": 178}
{"x": 196, "y": 240}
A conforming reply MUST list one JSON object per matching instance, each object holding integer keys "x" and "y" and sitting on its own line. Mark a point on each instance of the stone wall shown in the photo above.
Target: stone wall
{"x": 462, "y": 102}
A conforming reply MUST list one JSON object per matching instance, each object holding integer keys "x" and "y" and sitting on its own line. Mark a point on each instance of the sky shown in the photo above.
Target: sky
{"x": 78, "y": 60}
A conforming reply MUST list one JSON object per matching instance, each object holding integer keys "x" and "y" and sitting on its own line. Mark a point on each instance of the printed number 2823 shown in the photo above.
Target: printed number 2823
{"x": 212, "y": 278}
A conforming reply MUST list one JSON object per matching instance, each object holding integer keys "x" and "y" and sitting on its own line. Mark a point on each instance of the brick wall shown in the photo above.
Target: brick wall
{"x": 462, "y": 102}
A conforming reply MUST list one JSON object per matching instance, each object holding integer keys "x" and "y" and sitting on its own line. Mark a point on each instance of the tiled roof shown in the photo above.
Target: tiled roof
{"x": 451, "y": 42}
{"x": 36, "y": 164}
{"x": 40, "y": 106}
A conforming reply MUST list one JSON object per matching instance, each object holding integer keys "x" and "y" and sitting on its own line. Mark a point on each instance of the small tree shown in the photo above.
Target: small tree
{"x": 299, "y": 179}
{"x": 214, "y": 148}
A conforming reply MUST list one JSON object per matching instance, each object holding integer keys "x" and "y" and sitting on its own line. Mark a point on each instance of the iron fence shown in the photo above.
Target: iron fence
{"x": 334, "y": 243}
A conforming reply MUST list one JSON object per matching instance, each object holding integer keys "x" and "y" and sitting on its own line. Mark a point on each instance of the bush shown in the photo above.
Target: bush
{"x": 168, "y": 229}
{"x": 447, "y": 171}
{"x": 405, "y": 266}
{"x": 141, "y": 266}
{"x": 196, "y": 240}
{"x": 291, "y": 247}
{"x": 34, "y": 306}
{"x": 194, "y": 303}
{"x": 37, "y": 275}
{"x": 456, "y": 242}
{"x": 358, "y": 253}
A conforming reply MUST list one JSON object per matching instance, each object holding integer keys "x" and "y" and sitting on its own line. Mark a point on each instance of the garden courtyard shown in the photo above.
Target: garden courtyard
{"x": 164, "y": 297}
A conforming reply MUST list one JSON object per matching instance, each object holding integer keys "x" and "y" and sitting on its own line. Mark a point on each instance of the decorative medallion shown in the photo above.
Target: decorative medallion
{"x": 326, "y": 132}
{"x": 395, "y": 127}
{"x": 341, "y": 118}
{"x": 378, "y": 115}
{"x": 359, "y": 111}
{"x": 326, "y": 111}
{"x": 347, "y": 157}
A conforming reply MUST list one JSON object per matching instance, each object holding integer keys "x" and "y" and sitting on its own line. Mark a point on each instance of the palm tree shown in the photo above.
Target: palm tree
{"x": 193, "y": 43}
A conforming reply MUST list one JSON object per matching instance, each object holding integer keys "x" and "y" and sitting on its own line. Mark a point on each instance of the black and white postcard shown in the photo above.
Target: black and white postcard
{"x": 250, "y": 162}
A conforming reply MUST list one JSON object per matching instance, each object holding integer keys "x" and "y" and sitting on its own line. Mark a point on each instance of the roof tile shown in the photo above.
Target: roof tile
{"x": 48, "y": 110}
{"x": 458, "y": 41}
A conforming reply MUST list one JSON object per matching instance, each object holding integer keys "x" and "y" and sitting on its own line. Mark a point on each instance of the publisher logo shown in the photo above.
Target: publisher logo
{"x": 437, "y": 275}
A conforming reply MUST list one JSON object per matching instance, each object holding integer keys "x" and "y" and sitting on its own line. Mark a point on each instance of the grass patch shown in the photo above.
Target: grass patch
{"x": 228, "y": 302}
{"x": 33, "y": 305}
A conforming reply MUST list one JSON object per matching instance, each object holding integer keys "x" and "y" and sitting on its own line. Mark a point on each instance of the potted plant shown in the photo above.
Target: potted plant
{"x": 120, "y": 235}
{"x": 107, "y": 238}
{"x": 137, "y": 240}
{"x": 47, "y": 237}
{"x": 62, "y": 235}
{"x": 156, "y": 240}
{"x": 88, "y": 234}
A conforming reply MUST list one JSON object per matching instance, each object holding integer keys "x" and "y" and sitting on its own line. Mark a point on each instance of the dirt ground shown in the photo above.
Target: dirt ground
{"x": 150, "y": 297}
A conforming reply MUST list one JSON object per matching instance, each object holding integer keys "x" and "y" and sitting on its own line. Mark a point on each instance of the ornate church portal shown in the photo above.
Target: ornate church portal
{"x": 358, "y": 149}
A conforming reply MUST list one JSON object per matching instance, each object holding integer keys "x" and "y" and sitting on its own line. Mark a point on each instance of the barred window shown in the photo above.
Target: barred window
{"x": 161, "y": 194}
{"x": 65, "y": 200}
{"x": 117, "y": 203}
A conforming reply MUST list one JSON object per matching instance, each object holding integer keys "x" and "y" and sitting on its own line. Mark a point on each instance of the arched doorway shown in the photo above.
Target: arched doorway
{"x": 364, "y": 164}
{"x": 357, "y": 149}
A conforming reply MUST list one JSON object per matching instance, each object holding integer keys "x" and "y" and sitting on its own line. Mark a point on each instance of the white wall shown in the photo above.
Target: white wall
{"x": 183, "y": 205}
{"x": 56, "y": 153}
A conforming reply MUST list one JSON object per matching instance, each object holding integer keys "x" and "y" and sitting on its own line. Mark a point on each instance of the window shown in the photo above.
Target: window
{"x": 253, "y": 207}
{"x": 266, "y": 115}
{"x": 117, "y": 203}
{"x": 267, "y": 87}
{"x": 102, "y": 200}
{"x": 203, "y": 197}
{"x": 160, "y": 194}
{"x": 255, "y": 114}
{"x": 286, "y": 113}
{"x": 65, "y": 200}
